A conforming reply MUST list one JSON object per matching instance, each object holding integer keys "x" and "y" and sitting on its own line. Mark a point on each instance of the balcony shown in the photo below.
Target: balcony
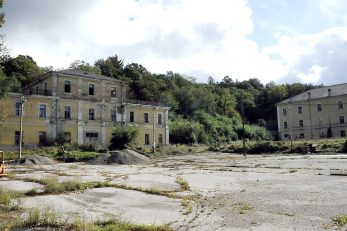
{"x": 35, "y": 91}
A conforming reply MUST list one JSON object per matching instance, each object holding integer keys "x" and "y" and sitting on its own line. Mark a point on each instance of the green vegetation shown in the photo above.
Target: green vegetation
{"x": 253, "y": 147}
{"x": 340, "y": 221}
{"x": 9, "y": 200}
{"x": 122, "y": 136}
{"x": 52, "y": 185}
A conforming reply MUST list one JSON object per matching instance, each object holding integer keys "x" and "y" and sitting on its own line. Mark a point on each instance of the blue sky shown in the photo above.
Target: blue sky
{"x": 273, "y": 40}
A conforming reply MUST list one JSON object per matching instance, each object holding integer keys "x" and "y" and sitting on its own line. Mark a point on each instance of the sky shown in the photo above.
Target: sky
{"x": 284, "y": 41}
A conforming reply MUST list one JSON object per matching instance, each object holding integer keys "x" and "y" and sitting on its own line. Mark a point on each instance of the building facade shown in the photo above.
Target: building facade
{"x": 82, "y": 107}
{"x": 317, "y": 113}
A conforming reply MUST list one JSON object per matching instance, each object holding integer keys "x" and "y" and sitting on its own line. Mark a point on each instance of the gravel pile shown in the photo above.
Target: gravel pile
{"x": 120, "y": 157}
{"x": 37, "y": 160}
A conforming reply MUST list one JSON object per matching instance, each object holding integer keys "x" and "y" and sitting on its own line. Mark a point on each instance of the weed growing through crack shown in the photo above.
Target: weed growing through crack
{"x": 340, "y": 221}
{"x": 9, "y": 200}
{"x": 184, "y": 184}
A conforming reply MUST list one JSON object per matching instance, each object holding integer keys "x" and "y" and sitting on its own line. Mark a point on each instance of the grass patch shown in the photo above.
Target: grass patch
{"x": 184, "y": 184}
{"x": 48, "y": 218}
{"x": 9, "y": 200}
{"x": 187, "y": 205}
{"x": 340, "y": 221}
{"x": 244, "y": 207}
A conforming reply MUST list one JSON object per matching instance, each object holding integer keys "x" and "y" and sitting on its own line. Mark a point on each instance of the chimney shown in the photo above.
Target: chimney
{"x": 329, "y": 92}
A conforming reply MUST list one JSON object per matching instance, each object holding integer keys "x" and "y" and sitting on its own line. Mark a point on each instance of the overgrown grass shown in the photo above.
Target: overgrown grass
{"x": 254, "y": 147}
{"x": 9, "y": 200}
{"x": 49, "y": 218}
{"x": 184, "y": 184}
{"x": 340, "y": 221}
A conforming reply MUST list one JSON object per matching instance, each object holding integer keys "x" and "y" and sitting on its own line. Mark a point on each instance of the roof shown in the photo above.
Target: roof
{"x": 75, "y": 72}
{"x": 87, "y": 74}
{"x": 318, "y": 93}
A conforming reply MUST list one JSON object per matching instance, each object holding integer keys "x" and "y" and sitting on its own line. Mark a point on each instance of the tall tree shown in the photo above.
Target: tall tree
{"x": 82, "y": 65}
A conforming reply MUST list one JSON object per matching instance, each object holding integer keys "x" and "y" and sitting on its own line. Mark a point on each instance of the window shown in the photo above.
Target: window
{"x": 343, "y": 133}
{"x": 302, "y": 136}
{"x": 91, "y": 136}
{"x": 42, "y": 111}
{"x": 132, "y": 117}
{"x": 284, "y": 112}
{"x": 113, "y": 115}
{"x": 160, "y": 120}
{"x": 285, "y": 125}
{"x": 340, "y": 104}
{"x": 16, "y": 137}
{"x": 37, "y": 90}
{"x": 91, "y": 89}
{"x": 342, "y": 119}
{"x": 301, "y": 123}
{"x": 321, "y": 135}
{"x": 91, "y": 114}
{"x": 300, "y": 109}
{"x": 320, "y": 122}
{"x": 42, "y": 138}
{"x": 319, "y": 107}
{"x": 146, "y": 118}
{"x": 286, "y": 136}
{"x": 67, "y": 86}
{"x": 67, "y": 112}
{"x": 67, "y": 137}
{"x": 160, "y": 138}
{"x": 18, "y": 109}
{"x": 113, "y": 92}
{"x": 147, "y": 139}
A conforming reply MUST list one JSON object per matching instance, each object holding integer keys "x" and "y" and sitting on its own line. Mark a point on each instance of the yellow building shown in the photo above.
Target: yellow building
{"x": 317, "y": 113}
{"x": 82, "y": 106}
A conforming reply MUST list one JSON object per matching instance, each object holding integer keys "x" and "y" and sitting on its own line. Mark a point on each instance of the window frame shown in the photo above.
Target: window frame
{"x": 67, "y": 111}
{"x": 114, "y": 115}
{"x": 300, "y": 109}
{"x": 160, "y": 118}
{"x": 146, "y": 118}
{"x": 91, "y": 84}
{"x": 39, "y": 110}
{"x": 147, "y": 139}
{"x": 91, "y": 111}
{"x": 113, "y": 92}
{"x": 284, "y": 111}
{"x": 342, "y": 120}
{"x": 70, "y": 88}
{"x": 301, "y": 123}
{"x": 18, "y": 109}
{"x": 319, "y": 107}
{"x": 285, "y": 124}
{"x": 340, "y": 105}
{"x": 131, "y": 117}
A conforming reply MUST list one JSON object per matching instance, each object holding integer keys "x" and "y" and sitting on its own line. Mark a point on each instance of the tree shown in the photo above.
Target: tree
{"x": 112, "y": 66}
{"x": 122, "y": 136}
{"x": 23, "y": 68}
{"x": 84, "y": 66}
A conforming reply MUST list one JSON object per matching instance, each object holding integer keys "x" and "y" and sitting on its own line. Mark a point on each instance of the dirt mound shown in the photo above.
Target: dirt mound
{"x": 120, "y": 157}
{"x": 37, "y": 160}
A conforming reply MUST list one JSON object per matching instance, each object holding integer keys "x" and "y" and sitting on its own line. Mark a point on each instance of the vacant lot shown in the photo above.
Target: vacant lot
{"x": 210, "y": 191}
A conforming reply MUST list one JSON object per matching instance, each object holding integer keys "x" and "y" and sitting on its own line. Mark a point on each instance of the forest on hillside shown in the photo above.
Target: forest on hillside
{"x": 207, "y": 113}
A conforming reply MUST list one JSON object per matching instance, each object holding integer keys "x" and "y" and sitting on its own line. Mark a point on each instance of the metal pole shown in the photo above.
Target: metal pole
{"x": 243, "y": 127}
{"x": 22, "y": 101}
{"x": 291, "y": 129}
{"x": 153, "y": 129}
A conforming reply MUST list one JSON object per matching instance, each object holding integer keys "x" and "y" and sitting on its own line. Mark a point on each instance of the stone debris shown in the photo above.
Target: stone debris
{"x": 37, "y": 160}
{"x": 125, "y": 156}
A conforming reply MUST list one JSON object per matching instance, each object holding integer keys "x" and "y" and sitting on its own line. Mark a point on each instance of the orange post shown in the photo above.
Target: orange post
{"x": 2, "y": 164}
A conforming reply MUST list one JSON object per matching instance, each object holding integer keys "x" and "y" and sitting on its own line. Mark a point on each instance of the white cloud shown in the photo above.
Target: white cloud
{"x": 193, "y": 37}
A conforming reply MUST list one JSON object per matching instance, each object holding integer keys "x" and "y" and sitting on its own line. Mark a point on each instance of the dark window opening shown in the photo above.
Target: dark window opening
{"x": 67, "y": 86}
{"x": 91, "y": 114}
{"x": 42, "y": 138}
{"x": 18, "y": 109}
{"x": 42, "y": 112}
{"x": 132, "y": 117}
{"x": 147, "y": 139}
{"x": 160, "y": 121}
{"x": 113, "y": 92}
{"x": 146, "y": 115}
{"x": 160, "y": 138}
{"x": 67, "y": 113}
{"x": 114, "y": 115}
{"x": 91, "y": 89}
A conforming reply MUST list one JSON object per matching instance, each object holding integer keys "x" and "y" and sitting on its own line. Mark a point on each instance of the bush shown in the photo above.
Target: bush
{"x": 122, "y": 136}
{"x": 344, "y": 147}
{"x": 187, "y": 132}
{"x": 268, "y": 147}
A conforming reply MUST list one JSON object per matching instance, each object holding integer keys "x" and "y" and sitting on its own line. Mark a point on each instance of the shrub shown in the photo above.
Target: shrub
{"x": 122, "y": 136}
{"x": 344, "y": 147}
{"x": 187, "y": 132}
